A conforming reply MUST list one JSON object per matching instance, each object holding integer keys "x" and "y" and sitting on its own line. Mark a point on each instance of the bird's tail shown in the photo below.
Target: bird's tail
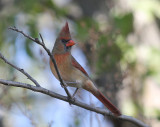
{"x": 89, "y": 86}
{"x": 106, "y": 102}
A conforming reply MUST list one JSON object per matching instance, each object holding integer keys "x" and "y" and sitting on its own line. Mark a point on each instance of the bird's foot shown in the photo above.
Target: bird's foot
{"x": 75, "y": 92}
{"x": 63, "y": 85}
{"x": 71, "y": 100}
{"x": 70, "y": 83}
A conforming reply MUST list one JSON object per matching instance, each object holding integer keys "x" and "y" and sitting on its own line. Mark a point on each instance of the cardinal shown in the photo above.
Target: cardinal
{"x": 72, "y": 73}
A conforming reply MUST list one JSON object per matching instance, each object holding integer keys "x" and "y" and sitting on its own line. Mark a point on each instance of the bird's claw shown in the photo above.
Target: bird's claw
{"x": 75, "y": 92}
{"x": 63, "y": 85}
{"x": 71, "y": 100}
{"x": 70, "y": 83}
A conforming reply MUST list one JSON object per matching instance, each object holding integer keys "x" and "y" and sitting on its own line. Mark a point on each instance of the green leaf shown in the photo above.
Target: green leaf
{"x": 124, "y": 23}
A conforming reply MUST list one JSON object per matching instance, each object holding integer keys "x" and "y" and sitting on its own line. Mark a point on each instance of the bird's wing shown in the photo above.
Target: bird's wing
{"x": 78, "y": 66}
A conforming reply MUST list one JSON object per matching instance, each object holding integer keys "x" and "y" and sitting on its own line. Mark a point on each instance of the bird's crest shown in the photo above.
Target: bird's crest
{"x": 65, "y": 33}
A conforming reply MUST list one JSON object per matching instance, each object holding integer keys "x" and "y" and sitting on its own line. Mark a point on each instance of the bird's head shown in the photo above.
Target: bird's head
{"x": 63, "y": 42}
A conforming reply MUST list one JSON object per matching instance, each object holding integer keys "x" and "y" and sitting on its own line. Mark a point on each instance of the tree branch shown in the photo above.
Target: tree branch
{"x": 19, "y": 69}
{"x": 36, "y": 40}
{"x": 40, "y": 89}
{"x": 75, "y": 102}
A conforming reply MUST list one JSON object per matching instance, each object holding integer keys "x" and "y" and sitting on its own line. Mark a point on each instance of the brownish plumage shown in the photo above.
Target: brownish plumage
{"x": 72, "y": 71}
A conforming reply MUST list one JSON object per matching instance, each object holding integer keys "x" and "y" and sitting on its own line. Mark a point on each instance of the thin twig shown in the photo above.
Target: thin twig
{"x": 41, "y": 39}
{"x": 75, "y": 92}
{"x": 19, "y": 69}
{"x": 75, "y": 102}
{"x": 36, "y": 40}
{"x": 61, "y": 97}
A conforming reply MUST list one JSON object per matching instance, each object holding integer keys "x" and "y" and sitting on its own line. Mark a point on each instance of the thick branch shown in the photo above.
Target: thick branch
{"x": 75, "y": 102}
{"x": 58, "y": 96}
{"x": 36, "y": 40}
{"x": 19, "y": 69}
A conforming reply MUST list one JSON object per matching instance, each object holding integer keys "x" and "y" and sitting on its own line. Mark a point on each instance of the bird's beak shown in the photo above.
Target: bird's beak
{"x": 70, "y": 43}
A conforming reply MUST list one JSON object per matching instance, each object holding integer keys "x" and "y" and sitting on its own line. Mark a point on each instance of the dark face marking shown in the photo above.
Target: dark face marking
{"x": 64, "y": 41}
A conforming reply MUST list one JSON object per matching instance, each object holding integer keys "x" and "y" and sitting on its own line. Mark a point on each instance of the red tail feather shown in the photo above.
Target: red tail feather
{"x": 107, "y": 103}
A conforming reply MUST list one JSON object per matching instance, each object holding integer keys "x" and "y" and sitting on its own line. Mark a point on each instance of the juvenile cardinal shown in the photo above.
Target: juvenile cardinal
{"x": 71, "y": 71}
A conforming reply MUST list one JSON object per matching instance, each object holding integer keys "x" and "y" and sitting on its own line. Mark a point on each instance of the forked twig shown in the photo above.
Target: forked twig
{"x": 36, "y": 40}
{"x": 75, "y": 102}
{"x": 40, "y": 89}
{"x": 19, "y": 69}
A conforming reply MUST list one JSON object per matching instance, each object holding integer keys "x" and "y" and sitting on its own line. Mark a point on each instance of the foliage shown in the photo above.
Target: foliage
{"x": 123, "y": 41}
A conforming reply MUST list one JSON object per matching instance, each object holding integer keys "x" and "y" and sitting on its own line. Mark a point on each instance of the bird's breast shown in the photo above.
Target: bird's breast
{"x": 67, "y": 71}
{"x": 62, "y": 61}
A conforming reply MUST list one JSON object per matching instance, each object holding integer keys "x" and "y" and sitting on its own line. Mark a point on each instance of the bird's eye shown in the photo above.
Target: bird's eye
{"x": 64, "y": 41}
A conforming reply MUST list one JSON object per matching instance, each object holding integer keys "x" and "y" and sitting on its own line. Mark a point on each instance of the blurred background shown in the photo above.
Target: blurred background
{"x": 118, "y": 43}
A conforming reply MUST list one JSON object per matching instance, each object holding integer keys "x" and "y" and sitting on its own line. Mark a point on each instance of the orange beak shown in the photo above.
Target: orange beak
{"x": 70, "y": 43}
